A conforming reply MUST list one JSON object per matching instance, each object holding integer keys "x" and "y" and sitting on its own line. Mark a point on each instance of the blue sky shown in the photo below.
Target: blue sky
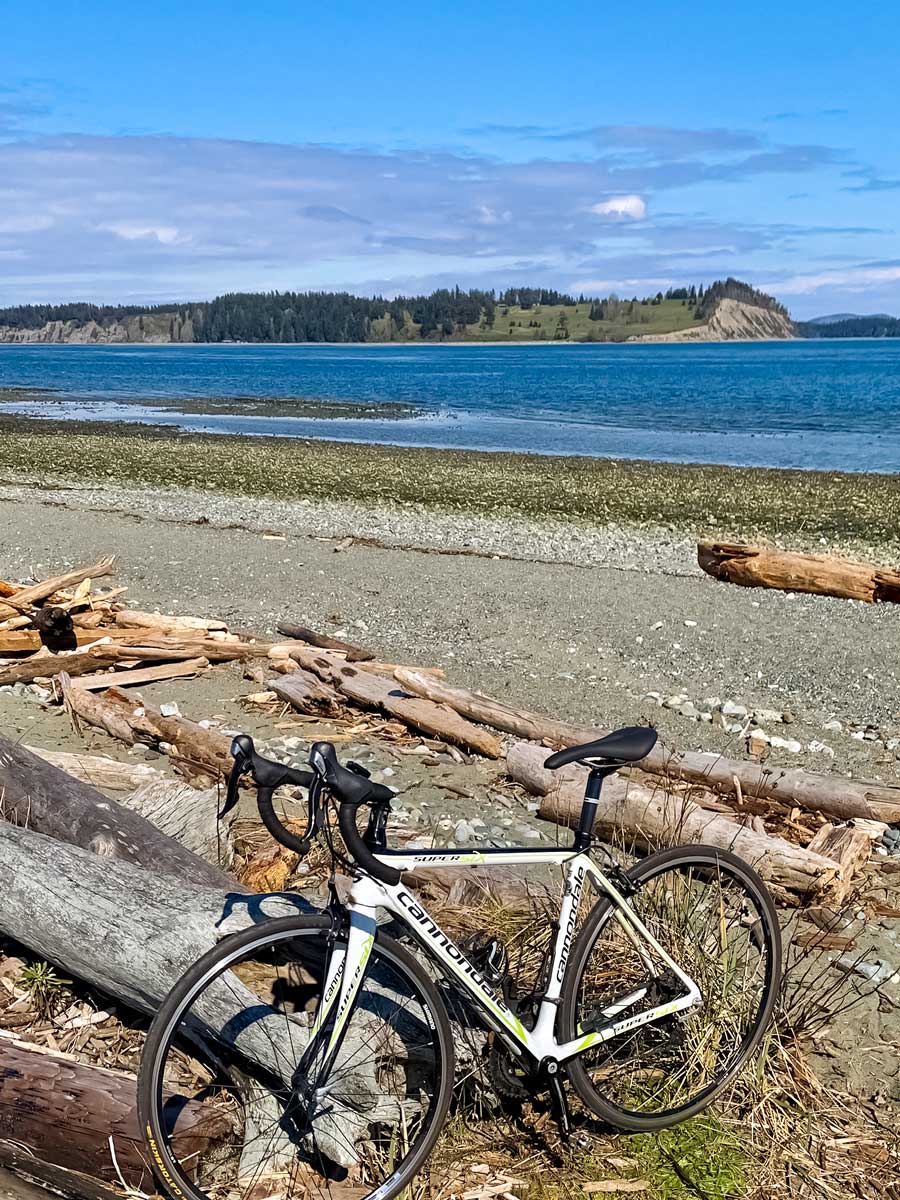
{"x": 195, "y": 148}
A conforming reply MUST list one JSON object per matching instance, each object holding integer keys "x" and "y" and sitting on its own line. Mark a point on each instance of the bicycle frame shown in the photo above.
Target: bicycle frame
{"x": 346, "y": 969}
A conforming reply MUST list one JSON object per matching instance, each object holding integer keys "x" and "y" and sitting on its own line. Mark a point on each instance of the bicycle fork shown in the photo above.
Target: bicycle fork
{"x": 344, "y": 975}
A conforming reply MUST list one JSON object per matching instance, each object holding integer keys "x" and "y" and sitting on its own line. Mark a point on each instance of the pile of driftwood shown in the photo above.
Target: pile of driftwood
{"x": 121, "y": 876}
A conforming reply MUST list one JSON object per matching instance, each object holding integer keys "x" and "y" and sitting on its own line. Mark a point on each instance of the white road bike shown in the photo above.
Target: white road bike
{"x": 313, "y": 1055}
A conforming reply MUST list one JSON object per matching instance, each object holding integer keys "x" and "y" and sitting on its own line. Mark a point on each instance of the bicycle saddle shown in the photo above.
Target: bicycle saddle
{"x": 623, "y": 746}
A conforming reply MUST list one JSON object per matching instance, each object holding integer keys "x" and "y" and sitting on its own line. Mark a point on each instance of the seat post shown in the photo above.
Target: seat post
{"x": 589, "y": 807}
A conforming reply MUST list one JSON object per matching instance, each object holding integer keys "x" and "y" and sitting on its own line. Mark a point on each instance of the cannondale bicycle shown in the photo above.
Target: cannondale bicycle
{"x": 319, "y": 1048}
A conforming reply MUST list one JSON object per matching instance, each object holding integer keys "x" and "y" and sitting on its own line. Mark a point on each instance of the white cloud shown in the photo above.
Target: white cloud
{"x": 851, "y": 279}
{"x": 632, "y": 207}
{"x": 131, "y": 231}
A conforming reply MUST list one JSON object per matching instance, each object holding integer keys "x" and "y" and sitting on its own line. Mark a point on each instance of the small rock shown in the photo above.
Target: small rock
{"x": 463, "y": 832}
{"x": 688, "y": 710}
{"x": 833, "y": 726}
{"x": 788, "y": 717}
{"x": 691, "y": 624}
{"x": 169, "y": 709}
{"x": 730, "y": 709}
{"x": 768, "y": 716}
{"x": 780, "y": 743}
{"x": 757, "y": 742}
{"x": 878, "y": 972}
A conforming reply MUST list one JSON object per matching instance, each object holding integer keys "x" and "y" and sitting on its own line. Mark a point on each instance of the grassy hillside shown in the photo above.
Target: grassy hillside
{"x": 572, "y": 322}
{"x": 552, "y": 322}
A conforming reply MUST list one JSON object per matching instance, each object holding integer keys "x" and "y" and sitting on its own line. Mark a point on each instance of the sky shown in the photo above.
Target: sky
{"x": 177, "y": 151}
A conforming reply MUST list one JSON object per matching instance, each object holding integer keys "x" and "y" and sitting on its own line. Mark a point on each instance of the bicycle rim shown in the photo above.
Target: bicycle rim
{"x": 228, "y": 1114}
{"x": 714, "y": 917}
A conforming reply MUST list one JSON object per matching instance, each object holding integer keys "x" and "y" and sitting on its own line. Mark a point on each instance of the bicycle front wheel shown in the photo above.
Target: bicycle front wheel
{"x": 713, "y": 916}
{"x": 230, "y": 1114}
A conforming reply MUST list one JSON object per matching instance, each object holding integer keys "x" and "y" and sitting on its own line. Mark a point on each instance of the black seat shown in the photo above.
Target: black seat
{"x": 623, "y": 746}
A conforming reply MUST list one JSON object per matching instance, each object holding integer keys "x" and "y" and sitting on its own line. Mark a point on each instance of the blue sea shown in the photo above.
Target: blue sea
{"x": 832, "y": 405}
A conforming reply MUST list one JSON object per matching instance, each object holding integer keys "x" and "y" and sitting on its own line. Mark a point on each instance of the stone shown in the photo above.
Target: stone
{"x": 790, "y": 744}
{"x": 878, "y": 972}
{"x": 730, "y": 709}
{"x": 169, "y": 709}
{"x": 463, "y": 832}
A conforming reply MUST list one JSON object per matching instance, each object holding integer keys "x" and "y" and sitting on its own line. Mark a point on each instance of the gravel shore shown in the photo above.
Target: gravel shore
{"x": 577, "y": 620}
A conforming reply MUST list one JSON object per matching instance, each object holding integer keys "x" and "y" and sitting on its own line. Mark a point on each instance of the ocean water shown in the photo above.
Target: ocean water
{"x": 832, "y": 405}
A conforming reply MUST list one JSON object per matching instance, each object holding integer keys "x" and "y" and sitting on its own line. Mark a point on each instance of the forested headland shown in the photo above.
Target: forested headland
{"x": 448, "y": 314}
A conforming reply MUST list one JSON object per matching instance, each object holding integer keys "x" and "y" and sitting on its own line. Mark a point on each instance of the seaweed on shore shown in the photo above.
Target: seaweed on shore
{"x": 788, "y": 506}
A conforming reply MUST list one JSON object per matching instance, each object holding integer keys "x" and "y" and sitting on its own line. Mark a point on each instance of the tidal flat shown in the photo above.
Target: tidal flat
{"x": 815, "y": 510}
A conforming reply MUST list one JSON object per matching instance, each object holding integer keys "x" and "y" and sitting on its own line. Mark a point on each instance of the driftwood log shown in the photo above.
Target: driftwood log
{"x": 374, "y": 690}
{"x": 105, "y": 774}
{"x": 143, "y": 675}
{"x": 825, "y": 575}
{"x": 24, "y": 598}
{"x": 476, "y": 707}
{"x": 132, "y": 618}
{"x": 199, "y": 751}
{"x": 651, "y": 819}
{"x": 322, "y": 642}
{"x": 305, "y": 692}
{"x": 831, "y": 795}
{"x": 37, "y": 794}
{"x": 828, "y": 794}
{"x": 66, "y": 1112}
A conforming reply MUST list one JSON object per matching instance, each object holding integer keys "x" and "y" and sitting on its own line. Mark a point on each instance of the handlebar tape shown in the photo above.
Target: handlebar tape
{"x": 358, "y": 849}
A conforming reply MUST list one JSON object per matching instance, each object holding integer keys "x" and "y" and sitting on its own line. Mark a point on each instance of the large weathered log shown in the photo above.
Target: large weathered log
{"x": 651, "y": 819}
{"x": 131, "y": 933}
{"x": 766, "y": 566}
{"x": 66, "y": 1112}
{"x": 305, "y": 692}
{"x": 832, "y": 795}
{"x": 143, "y": 675}
{"x": 86, "y": 662}
{"x": 105, "y": 774}
{"x": 200, "y": 751}
{"x": 27, "y": 596}
{"x": 187, "y": 814}
{"x": 828, "y": 794}
{"x": 492, "y": 712}
{"x": 49, "y": 801}
{"x": 437, "y": 720}
{"x": 130, "y": 618}
{"x": 323, "y": 642}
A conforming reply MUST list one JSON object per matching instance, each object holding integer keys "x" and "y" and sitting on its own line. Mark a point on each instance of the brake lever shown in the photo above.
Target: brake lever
{"x": 242, "y": 753}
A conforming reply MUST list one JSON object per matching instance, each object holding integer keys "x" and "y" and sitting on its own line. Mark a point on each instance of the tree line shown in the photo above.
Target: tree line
{"x": 851, "y": 327}
{"x": 343, "y": 317}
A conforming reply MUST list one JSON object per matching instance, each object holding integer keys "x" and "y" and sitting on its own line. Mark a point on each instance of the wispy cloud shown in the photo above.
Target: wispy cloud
{"x": 109, "y": 216}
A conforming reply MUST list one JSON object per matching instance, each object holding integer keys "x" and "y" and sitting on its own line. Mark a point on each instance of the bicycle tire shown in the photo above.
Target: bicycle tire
{"x": 643, "y": 872}
{"x": 233, "y": 949}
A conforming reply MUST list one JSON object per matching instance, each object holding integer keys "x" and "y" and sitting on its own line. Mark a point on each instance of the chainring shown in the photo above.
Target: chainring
{"x": 505, "y": 1075}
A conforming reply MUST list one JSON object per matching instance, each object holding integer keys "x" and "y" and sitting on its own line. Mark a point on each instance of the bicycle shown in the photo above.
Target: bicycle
{"x": 324, "y": 1046}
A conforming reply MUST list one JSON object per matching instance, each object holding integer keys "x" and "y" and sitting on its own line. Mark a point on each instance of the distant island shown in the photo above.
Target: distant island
{"x": 727, "y": 310}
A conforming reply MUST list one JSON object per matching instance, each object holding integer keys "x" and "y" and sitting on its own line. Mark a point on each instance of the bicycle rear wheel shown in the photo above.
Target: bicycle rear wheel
{"x": 227, "y": 1043}
{"x": 713, "y": 916}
